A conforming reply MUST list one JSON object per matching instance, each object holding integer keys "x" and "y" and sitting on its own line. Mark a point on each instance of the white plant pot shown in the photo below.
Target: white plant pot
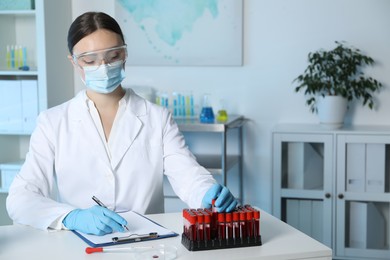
{"x": 331, "y": 111}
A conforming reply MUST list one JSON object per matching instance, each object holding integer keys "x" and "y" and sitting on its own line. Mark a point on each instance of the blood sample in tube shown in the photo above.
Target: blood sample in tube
{"x": 229, "y": 225}
{"x": 256, "y": 229}
{"x": 221, "y": 226}
{"x": 243, "y": 224}
{"x": 207, "y": 227}
{"x": 236, "y": 225}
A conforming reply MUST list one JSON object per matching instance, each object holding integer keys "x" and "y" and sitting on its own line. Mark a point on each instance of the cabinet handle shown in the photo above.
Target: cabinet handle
{"x": 327, "y": 195}
{"x": 341, "y": 196}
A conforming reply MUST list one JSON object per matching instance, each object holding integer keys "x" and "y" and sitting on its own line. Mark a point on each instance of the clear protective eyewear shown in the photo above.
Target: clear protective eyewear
{"x": 93, "y": 59}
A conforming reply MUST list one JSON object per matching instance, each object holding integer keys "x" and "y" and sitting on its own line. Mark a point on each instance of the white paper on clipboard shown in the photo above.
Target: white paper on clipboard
{"x": 137, "y": 224}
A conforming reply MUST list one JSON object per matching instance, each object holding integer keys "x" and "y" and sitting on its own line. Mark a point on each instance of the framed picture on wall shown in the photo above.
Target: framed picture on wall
{"x": 182, "y": 33}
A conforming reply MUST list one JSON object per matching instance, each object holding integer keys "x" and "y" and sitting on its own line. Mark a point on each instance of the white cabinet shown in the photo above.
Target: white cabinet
{"x": 334, "y": 185}
{"x": 42, "y": 30}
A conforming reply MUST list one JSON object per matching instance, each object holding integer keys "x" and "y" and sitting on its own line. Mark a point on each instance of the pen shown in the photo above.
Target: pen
{"x": 104, "y": 206}
{"x": 90, "y": 250}
{"x": 137, "y": 238}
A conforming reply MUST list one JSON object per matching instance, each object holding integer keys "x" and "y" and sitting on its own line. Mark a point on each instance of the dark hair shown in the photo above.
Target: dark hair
{"x": 88, "y": 23}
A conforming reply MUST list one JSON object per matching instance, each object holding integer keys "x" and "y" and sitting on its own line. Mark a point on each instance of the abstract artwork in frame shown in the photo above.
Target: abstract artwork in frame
{"x": 182, "y": 32}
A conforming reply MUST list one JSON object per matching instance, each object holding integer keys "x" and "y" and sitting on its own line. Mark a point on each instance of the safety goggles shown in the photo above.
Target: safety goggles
{"x": 93, "y": 59}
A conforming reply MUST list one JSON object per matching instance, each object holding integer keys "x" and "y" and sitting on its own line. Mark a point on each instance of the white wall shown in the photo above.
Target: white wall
{"x": 278, "y": 34}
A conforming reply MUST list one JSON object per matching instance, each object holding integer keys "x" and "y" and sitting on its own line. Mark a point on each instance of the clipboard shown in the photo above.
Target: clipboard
{"x": 141, "y": 228}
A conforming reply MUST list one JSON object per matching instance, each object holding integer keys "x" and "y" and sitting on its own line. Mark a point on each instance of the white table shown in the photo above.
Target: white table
{"x": 280, "y": 241}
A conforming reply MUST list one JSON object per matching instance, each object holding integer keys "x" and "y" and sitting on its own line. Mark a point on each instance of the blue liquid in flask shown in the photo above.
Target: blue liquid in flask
{"x": 207, "y": 115}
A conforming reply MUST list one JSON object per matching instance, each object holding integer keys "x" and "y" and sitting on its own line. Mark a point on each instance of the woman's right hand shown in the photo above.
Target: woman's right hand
{"x": 95, "y": 220}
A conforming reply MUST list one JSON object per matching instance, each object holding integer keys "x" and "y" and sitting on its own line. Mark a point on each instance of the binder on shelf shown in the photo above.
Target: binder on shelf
{"x": 305, "y": 166}
{"x": 375, "y": 169}
{"x": 306, "y": 216}
{"x": 29, "y": 104}
{"x": 18, "y": 105}
{"x": 140, "y": 229}
{"x": 366, "y": 226}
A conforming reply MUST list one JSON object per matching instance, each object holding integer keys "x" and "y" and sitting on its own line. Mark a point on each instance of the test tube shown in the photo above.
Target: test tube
{"x": 214, "y": 219}
{"x": 185, "y": 222}
{"x": 12, "y": 56}
{"x": 192, "y": 226}
{"x": 243, "y": 228}
{"x": 8, "y": 57}
{"x": 221, "y": 226}
{"x": 236, "y": 225}
{"x": 229, "y": 225}
{"x": 24, "y": 54}
{"x": 207, "y": 226}
{"x": 249, "y": 223}
{"x": 200, "y": 226}
{"x": 256, "y": 230}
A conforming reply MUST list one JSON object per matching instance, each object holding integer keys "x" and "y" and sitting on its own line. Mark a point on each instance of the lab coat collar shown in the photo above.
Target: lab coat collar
{"x": 130, "y": 126}
{"x": 136, "y": 103}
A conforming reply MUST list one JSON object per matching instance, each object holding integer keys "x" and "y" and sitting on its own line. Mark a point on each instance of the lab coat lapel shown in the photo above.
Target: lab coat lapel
{"x": 85, "y": 127}
{"x": 129, "y": 128}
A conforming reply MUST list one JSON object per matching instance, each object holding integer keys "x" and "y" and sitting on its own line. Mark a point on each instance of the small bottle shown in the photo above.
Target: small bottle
{"x": 8, "y": 57}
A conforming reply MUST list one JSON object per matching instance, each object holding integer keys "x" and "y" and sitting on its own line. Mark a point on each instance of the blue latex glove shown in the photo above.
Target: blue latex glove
{"x": 225, "y": 199}
{"x": 95, "y": 220}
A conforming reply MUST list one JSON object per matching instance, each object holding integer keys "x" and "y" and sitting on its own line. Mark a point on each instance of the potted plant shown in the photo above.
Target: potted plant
{"x": 334, "y": 76}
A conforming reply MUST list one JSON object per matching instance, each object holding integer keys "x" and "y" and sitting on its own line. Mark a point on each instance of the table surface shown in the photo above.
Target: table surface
{"x": 280, "y": 241}
{"x": 194, "y": 125}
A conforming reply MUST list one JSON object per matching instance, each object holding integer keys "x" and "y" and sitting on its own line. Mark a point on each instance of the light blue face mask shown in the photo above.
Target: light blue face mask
{"x": 105, "y": 78}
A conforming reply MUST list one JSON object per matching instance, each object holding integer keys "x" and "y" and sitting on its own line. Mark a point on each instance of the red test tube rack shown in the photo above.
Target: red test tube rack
{"x": 206, "y": 229}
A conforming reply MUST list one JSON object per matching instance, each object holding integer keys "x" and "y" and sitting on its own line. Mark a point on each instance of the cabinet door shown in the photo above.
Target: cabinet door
{"x": 302, "y": 170}
{"x": 363, "y": 196}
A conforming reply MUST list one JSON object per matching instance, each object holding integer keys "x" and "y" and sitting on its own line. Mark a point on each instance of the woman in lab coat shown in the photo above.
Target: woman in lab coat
{"x": 105, "y": 142}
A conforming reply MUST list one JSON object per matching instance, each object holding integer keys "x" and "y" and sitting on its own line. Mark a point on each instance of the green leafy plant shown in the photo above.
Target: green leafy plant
{"x": 337, "y": 72}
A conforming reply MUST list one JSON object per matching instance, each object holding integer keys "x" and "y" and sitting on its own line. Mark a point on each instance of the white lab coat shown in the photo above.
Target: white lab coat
{"x": 67, "y": 164}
